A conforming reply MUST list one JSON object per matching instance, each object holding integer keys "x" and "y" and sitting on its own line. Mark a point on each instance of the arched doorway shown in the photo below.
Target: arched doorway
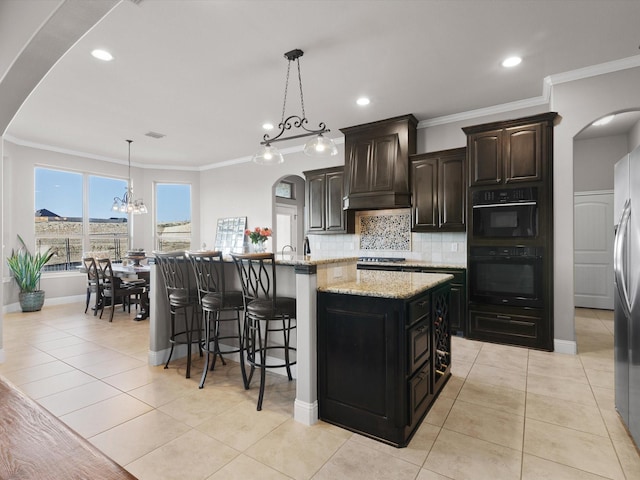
{"x": 596, "y": 150}
{"x": 288, "y": 195}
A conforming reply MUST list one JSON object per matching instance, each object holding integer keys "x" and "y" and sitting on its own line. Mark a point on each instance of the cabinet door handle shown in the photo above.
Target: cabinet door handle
{"x": 423, "y": 303}
{"x": 422, "y": 329}
{"x": 503, "y": 317}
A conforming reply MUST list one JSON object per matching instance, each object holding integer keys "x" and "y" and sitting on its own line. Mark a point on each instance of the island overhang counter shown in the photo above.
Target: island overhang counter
{"x": 384, "y": 351}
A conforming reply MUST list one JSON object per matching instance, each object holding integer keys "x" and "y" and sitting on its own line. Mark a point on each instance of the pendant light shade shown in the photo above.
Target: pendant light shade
{"x": 127, "y": 204}
{"x": 318, "y": 146}
{"x": 268, "y": 155}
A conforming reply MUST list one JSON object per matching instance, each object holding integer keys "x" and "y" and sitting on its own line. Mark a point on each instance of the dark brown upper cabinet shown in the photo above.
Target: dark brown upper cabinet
{"x": 439, "y": 188}
{"x": 325, "y": 190}
{"x": 377, "y": 163}
{"x": 509, "y": 152}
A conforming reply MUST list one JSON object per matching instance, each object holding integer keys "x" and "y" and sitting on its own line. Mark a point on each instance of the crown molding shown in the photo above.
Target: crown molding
{"x": 76, "y": 153}
{"x": 547, "y": 87}
{"x": 595, "y": 70}
{"x": 483, "y": 112}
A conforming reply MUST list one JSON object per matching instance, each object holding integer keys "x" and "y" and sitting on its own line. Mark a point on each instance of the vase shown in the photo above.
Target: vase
{"x": 259, "y": 247}
{"x": 31, "y": 301}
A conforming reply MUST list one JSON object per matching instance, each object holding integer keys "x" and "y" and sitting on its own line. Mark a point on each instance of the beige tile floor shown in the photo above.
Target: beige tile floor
{"x": 506, "y": 413}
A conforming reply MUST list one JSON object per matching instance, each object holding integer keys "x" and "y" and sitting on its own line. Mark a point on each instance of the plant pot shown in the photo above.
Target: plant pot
{"x": 31, "y": 301}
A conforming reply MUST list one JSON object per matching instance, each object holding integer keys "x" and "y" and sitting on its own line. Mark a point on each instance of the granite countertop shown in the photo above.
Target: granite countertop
{"x": 288, "y": 259}
{"x": 415, "y": 263}
{"x": 293, "y": 260}
{"x": 399, "y": 285}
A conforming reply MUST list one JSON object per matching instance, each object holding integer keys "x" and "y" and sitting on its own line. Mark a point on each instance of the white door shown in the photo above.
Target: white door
{"x": 593, "y": 257}
{"x": 286, "y": 231}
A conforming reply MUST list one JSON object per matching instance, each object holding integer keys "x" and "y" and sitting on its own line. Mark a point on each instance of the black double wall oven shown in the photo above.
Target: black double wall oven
{"x": 506, "y": 267}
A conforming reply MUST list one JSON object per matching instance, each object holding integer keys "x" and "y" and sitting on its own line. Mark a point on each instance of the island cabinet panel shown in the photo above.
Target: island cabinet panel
{"x": 376, "y": 361}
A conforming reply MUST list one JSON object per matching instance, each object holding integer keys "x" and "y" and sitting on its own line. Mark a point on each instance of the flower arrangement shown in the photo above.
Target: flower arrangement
{"x": 258, "y": 235}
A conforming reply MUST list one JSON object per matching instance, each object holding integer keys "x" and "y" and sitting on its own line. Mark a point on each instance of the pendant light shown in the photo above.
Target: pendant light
{"x": 127, "y": 204}
{"x": 318, "y": 146}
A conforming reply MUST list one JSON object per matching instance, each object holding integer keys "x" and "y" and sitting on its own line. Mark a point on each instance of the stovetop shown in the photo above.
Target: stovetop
{"x": 381, "y": 259}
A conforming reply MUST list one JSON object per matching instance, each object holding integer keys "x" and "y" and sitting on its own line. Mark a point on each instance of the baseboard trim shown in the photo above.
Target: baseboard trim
{"x": 565, "y": 346}
{"x": 15, "y": 307}
{"x": 305, "y": 412}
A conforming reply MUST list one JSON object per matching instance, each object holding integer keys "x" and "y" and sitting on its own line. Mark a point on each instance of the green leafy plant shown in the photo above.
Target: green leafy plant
{"x": 27, "y": 267}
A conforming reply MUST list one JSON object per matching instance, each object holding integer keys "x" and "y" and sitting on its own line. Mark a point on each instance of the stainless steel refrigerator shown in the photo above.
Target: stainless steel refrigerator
{"x": 626, "y": 265}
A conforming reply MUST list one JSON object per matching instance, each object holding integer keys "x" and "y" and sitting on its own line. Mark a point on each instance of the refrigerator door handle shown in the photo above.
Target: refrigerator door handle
{"x": 618, "y": 263}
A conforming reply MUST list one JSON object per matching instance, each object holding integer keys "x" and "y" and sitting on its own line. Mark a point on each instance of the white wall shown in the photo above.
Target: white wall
{"x": 634, "y": 137}
{"x": 594, "y": 159}
{"x": 245, "y": 190}
{"x": 18, "y": 205}
{"x": 579, "y": 103}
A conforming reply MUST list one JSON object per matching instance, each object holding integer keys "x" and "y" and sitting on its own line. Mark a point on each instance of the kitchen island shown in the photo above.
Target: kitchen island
{"x": 298, "y": 276}
{"x": 384, "y": 351}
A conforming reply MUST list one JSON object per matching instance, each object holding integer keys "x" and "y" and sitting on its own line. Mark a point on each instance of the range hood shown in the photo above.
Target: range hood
{"x": 377, "y": 163}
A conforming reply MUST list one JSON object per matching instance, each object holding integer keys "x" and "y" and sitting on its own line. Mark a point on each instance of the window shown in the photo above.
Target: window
{"x": 108, "y": 230}
{"x": 61, "y": 221}
{"x": 173, "y": 216}
{"x": 284, "y": 190}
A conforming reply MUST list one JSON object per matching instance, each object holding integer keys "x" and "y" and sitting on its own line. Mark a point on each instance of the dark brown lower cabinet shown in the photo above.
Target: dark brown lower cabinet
{"x": 516, "y": 326}
{"x": 382, "y": 361}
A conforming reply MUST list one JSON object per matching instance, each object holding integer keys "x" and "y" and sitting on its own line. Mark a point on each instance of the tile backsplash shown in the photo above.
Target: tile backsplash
{"x": 387, "y": 233}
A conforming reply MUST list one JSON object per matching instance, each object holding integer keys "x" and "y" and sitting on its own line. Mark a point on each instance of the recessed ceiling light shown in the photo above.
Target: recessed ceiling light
{"x": 362, "y": 101}
{"x": 102, "y": 55}
{"x": 603, "y": 121}
{"x": 511, "y": 62}
{"x": 267, "y": 126}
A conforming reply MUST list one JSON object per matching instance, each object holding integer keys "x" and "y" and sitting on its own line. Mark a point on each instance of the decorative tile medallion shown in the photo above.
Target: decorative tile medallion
{"x": 385, "y": 232}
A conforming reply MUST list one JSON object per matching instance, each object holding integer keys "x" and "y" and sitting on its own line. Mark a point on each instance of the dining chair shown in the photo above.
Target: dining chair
{"x": 94, "y": 284}
{"x": 114, "y": 289}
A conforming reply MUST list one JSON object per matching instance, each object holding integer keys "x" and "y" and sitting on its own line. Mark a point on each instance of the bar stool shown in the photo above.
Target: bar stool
{"x": 182, "y": 297}
{"x": 265, "y": 313}
{"x": 208, "y": 268}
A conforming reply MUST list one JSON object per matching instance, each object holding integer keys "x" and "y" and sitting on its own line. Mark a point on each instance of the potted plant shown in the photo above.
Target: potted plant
{"x": 27, "y": 269}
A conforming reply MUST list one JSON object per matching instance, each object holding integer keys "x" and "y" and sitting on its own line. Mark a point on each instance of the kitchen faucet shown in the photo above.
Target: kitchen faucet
{"x": 292, "y": 249}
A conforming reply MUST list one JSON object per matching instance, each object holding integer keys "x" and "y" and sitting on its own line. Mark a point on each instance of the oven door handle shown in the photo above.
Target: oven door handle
{"x": 618, "y": 263}
{"x": 512, "y": 204}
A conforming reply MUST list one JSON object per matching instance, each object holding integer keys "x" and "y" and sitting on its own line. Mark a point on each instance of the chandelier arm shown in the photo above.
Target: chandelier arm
{"x": 297, "y": 122}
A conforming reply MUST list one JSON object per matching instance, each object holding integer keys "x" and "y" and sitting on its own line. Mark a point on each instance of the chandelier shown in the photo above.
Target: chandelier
{"x": 127, "y": 204}
{"x": 318, "y": 146}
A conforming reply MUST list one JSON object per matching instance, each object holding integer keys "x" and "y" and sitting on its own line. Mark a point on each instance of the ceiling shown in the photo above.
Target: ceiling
{"x": 208, "y": 74}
